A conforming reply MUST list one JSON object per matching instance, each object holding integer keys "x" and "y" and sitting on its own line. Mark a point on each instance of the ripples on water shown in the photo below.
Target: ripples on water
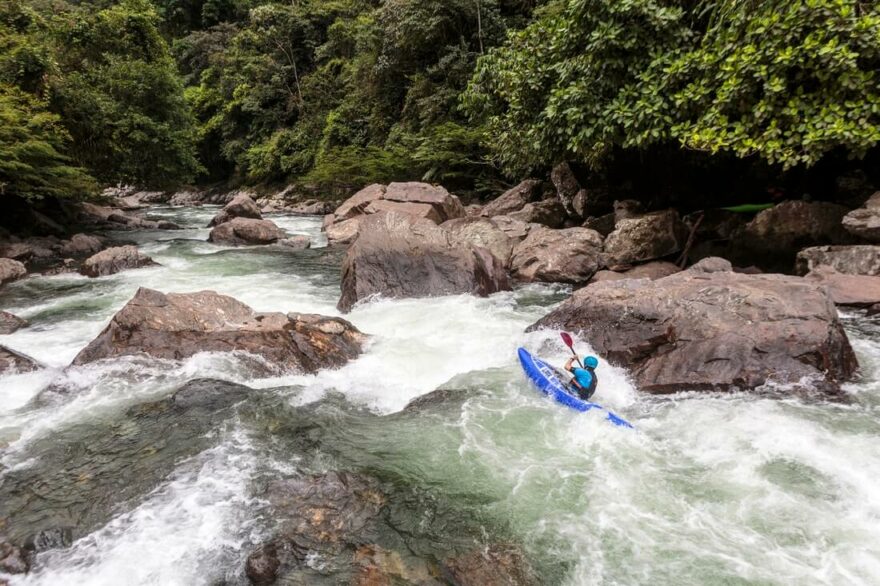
{"x": 712, "y": 489}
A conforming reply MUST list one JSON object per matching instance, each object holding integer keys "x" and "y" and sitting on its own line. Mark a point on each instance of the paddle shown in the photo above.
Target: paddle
{"x": 570, "y": 343}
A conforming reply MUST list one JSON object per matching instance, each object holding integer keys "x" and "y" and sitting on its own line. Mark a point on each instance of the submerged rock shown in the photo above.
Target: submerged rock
{"x": 298, "y": 242}
{"x": 12, "y": 361}
{"x": 244, "y": 231}
{"x": 178, "y": 325}
{"x": 493, "y": 565}
{"x": 712, "y": 331}
{"x": 11, "y": 270}
{"x": 9, "y": 323}
{"x": 572, "y": 256}
{"x": 12, "y": 559}
{"x": 862, "y": 259}
{"x": 399, "y": 256}
{"x": 114, "y": 260}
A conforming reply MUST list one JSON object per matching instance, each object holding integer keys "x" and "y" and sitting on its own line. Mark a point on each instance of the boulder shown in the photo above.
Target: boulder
{"x": 567, "y": 185}
{"x": 241, "y": 206}
{"x": 652, "y": 270}
{"x": 11, "y": 270}
{"x": 417, "y": 210}
{"x": 626, "y": 209}
{"x": 448, "y": 206}
{"x": 579, "y": 202}
{"x": 515, "y": 229}
{"x": 312, "y": 207}
{"x": 851, "y": 290}
{"x": 189, "y": 197}
{"x": 859, "y": 259}
{"x": 514, "y": 199}
{"x": 12, "y": 361}
{"x": 113, "y": 260}
{"x": 298, "y": 242}
{"x": 494, "y": 565}
{"x": 176, "y": 326}
{"x": 721, "y": 331}
{"x": 81, "y": 245}
{"x": 344, "y": 232}
{"x": 262, "y": 565}
{"x": 244, "y": 231}
{"x": 775, "y": 236}
{"x": 400, "y": 256}
{"x": 714, "y": 264}
{"x": 604, "y": 225}
{"x": 572, "y": 256}
{"x": 548, "y": 213}
{"x": 865, "y": 221}
{"x": 481, "y": 232}
{"x": 357, "y": 203}
{"x": 646, "y": 237}
{"x": 9, "y": 323}
{"x": 12, "y": 559}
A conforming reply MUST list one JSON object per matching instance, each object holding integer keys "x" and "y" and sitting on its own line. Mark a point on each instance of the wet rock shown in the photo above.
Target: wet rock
{"x": 646, "y": 237}
{"x": 484, "y": 232}
{"x": 376, "y": 566}
{"x": 865, "y": 221}
{"x": 549, "y": 213}
{"x": 572, "y": 256}
{"x": 244, "y": 231}
{"x": 298, "y": 242}
{"x": 262, "y": 566}
{"x": 114, "y": 260}
{"x": 862, "y": 259}
{"x": 12, "y": 361}
{"x": 437, "y": 397}
{"x": 241, "y": 206}
{"x": 399, "y": 256}
{"x": 81, "y": 245}
{"x": 514, "y": 199}
{"x": 83, "y": 474}
{"x": 652, "y": 270}
{"x": 11, "y": 270}
{"x": 494, "y": 565}
{"x": 9, "y": 323}
{"x": 775, "y": 236}
{"x": 178, "y": 325}
{"x": 852, "y": 290}
{"x": 12, "y": 559}
{"x": 712, "y": 331}
{"x": 324, "y": 511}
{"x": 193, "y": 197}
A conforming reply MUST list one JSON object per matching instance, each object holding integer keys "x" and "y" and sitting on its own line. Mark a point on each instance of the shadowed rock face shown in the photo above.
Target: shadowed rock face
{"x": 514, "y": 199}
{"x": 81, "y": 474}
{"x": 400, "y": 256}
{"x": 712, "y": 331}
{"x": 12, "y": 361}
{"x": 176, "y": 326}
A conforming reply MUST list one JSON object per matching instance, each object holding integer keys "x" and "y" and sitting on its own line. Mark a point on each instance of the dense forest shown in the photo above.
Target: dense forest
{"x": 473, "y": 94}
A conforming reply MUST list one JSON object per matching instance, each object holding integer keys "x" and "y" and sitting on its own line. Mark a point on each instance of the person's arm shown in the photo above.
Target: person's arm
{"x": 568, "y": 364}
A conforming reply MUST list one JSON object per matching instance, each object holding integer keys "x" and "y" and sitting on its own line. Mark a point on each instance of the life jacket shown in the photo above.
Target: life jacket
{"x": 584, "y": 393}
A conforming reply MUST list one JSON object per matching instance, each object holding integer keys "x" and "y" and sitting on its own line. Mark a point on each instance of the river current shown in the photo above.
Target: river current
{"x": 710, "y": 489}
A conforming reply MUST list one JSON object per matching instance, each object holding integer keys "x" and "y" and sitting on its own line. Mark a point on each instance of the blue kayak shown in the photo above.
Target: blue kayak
{"x": 550, "y": 381}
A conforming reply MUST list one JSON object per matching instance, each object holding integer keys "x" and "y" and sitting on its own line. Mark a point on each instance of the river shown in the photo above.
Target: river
{"x": 709, "y": 489}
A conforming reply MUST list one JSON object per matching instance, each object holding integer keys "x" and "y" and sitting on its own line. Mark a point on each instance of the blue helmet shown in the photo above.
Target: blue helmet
{"x": 591, "y": 362}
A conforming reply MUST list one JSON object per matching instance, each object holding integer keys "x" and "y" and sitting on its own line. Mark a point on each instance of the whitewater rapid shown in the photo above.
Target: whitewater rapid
{"x": 710, "y": 489}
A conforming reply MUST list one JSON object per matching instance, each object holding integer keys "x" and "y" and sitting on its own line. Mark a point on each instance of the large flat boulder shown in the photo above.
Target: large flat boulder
{"x": 114, "y": 260}
{"x": 572, "y": 256}
{"x": 399, "y": 256}
{"x": 718, "y": 331}
{"x": 514, "y": 199}
{"x": 420, "y": 200}
{"x": 652, "y": 270}
{"x": 848, "y": 290}
{"x": 858, "y": 259}
{"x": 646, "y": 237}
{"x": 11, "y": 270}
{"x": 245, "y": 231}
{"x": 865, "y": 221}
{"x": 178, "y": 325}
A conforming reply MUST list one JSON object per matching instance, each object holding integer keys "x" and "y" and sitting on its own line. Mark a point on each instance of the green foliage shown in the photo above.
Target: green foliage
{"x": 32, "y": 143}
{"x": 788, "y": 81}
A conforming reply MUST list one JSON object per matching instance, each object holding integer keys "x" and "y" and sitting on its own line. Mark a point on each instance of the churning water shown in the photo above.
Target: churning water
{"x": 710, "y": 489}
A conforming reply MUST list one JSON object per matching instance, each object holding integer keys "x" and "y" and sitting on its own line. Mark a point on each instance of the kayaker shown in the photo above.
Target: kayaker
{"x": 584, "y": 381}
